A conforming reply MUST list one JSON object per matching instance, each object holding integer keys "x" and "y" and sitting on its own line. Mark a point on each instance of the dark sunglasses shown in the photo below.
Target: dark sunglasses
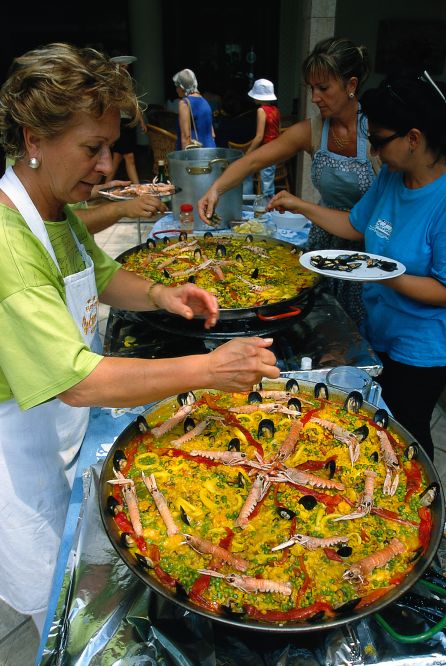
{"x": 378, "y": 142}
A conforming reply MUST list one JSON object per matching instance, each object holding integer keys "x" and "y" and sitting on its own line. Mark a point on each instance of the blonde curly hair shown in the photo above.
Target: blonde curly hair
{"x": 48, "y": 86}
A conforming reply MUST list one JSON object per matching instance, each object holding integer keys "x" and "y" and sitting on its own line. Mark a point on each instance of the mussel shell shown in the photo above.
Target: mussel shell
{"x": 417, "y": 553}
{"x": 142, "y": 424}
{"x": 411, "y": 452}
{"x": 232, "y": 612}
{"x": 208, "y": 234}
{"x": 184, "y": 517}
{"x": 220, "y": 250}
{"x": 241, "y": 482}
{"x": 348, "y": 606}
{"x": 113, "y": 506}
{"x": 266, "y": 428}
{"x": 344, "y": 551}
{"x": 308, "y": 502}
{"x": 234, "y": 444}
{"x": 292, "y": 386}
{"x": 249, "y": 238}
{"x": 431, "y": 493}
{"x": 126, "y": 540}
{"x": 189, "y": 424}
{"x": 191, "y": 278}
{"x": 316, "y": 617}
{"x": 285, "y": 513}
{"x": 197, "y": 253}
{"x": 294, "y": 403}
{"x": 166, "y": 240}
{"x": 181, "y": 591}
{"x": 257, "y": 387}
{"x": 166, "y": 273}
{"x": 353, "y": 402}
{"x": 144, "y": 562}
{"x": 150, "y": 243}
{"x": 182, "y": 236}
{"x": 255, "y": 273}
{"x": 381, "y": 418}
{"x": 119, "y": 460}
{"x": 374, "y": 457}
{"x": 254, "y": 397}
{"x": 239, "y": 258}
{"x": 361, "y": 433}
{"x": 184, "y": 399}
{"x": 321, "y": 390}
{"x": 331, "y": 466}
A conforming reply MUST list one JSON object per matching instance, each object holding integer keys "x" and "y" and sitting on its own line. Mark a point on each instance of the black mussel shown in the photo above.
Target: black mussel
{"x": 294, "y": 403}
{"x": 374, "y": 457}
{"x": 348, "y": 606}
{"x": 166, "y": 240}
{"x": 254, "y": 397}
{"x": 353, "y": 402}
{"x": 197, "y": 254}
{"x": 184, "y": 517}
{"x": 142, "y": 424}
{"x": 234, "y": 444}
{"x": 144, "y": 562}
{"x": 249, "y": 238}
{"x": 241, "y": 481}
{"x": 232, "y": 611}
{"x": 316, "y": 617}
{"x": 166, "y": 273}
{"x": 387, "y": 266}
{"x": 182, "y": 236}
{"x": 119, "y": 460}
{"x": 150, "y": 244}
{"x": 266, "y": 428}
{"x": 191, "y": 278}
{"x": 361, "y": 433}
{"x": 113, "y": 506}
{"x": 186, "y": 398}
{"x": 292, "y": 386}
{"x": 239, "y": 258}
{"x": 411, "y": 452}
{"x": 359, "y": 257}
{"x": 208, "y": 234}
{"x": 285, "y": 513}
{"x": 180, "y": 591}
{"x": 416, "y": 554}
{"x": 255, "y": 273}
{"x": 331, "y": 466}
{"x": 308, "y": 502}
{"x": 126, "y": 540}
{"x": 381, "y": 418}
{"x": 220, "y": 250}
{"x": 321, "y": 391}
{"x": 344, "y": 551}
{"x": 430, "y": 494}
{"x": 189, "y": 424}
{"x": 257, "y": 387}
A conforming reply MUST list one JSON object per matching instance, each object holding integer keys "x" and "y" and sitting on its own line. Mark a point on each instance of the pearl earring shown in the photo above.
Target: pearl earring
{"x": 34, "y": 163}
{"x": 351, "y": 95}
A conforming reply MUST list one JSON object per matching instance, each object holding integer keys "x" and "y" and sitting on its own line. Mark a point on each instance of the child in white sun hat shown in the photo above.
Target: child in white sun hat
{"x": 268, "y": 127}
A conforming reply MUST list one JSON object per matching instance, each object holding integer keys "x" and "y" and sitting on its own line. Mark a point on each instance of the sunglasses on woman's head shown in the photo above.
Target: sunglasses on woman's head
{"x": 378, "y": 142}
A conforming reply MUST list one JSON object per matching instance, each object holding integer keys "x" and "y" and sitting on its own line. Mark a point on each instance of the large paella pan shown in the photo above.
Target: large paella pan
{"x": 281, "y": 509}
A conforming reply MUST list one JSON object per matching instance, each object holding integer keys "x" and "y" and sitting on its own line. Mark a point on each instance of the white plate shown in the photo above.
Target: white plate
{"x": 361, "y": 274}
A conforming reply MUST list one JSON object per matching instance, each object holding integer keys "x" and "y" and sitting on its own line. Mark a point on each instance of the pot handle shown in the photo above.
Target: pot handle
{"x": 283, "y": 315}
{"x": 197, "y": 170}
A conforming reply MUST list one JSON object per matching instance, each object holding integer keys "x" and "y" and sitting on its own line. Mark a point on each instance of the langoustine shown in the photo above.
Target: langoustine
{"x": 161, "y": 504}
{"x": 359, "y": 571}
{"x": 205, "y": 547}
{"x": 250, "y": 584}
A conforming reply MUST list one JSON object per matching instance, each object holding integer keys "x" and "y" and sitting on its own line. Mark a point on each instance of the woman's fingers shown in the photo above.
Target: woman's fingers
{"x": 241, "y": 363}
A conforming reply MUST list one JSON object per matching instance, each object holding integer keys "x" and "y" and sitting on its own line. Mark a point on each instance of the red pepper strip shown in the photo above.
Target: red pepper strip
{"x": 332, "y": 555}
{"x": 425, "y": 528}
{"x": 306, "y": 582}
{"x": 130, "y": 455}
{"x": 154, "y": 553}
{"x": 292, "y": 614}
{"x": 139, "y": 540}
{"x": 304, "y": 420}
{"x": 164, "y": 577}
{"x": 122, "y": 522}
{"x": 175, "y": 453}
{"x": 396, "y": 580}
{"x": 413, "y": 474}
{"x": 330, "y": 501}
{"x": 364, "y": 536}
{"x": 373, "y": 596}
{"x": 315, "y": 464}
{"x": 200, "y": 585}
{"x": 390, "y": 515}
{"x": 226, "y": 541}
{"x": 233, "y": 420}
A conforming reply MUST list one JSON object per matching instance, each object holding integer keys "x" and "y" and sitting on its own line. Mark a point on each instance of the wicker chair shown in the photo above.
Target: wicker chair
{"x": 162, "y": 142}
{"x": 281, "y": 180}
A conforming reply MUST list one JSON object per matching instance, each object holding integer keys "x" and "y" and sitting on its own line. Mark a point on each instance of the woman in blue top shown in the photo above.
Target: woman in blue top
{"x": 403, "y": 217}
{"x": 194, "y": 112}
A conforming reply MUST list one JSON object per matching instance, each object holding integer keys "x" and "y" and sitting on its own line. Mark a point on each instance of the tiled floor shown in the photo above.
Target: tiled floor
{"x": 18, "y": 637}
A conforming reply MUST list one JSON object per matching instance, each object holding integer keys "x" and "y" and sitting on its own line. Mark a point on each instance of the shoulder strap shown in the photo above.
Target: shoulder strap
{"x": 192, "y": 116}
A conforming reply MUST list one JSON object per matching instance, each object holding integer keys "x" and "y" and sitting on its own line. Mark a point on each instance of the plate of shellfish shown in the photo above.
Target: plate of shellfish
{"x": 162, "y": 190}
{"x": 351, "y": 265}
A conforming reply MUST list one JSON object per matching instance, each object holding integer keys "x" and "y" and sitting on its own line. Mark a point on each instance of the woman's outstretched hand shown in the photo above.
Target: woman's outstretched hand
{"x": 240, "y": 363}
{"x": 283, "y": 201}
{"x": 207, "y": 204}
{"x": 188, "y": 301}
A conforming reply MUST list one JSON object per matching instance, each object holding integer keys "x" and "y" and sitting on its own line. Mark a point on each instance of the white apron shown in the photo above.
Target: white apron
{"x": 38, "y": 448}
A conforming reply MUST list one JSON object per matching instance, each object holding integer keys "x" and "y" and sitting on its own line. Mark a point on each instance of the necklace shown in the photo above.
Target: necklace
{"x": 338, "y": 141}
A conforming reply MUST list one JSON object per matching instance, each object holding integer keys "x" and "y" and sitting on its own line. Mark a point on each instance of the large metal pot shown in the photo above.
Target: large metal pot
{"x": 348, "y": 615}
{"x": 195, "y": 170}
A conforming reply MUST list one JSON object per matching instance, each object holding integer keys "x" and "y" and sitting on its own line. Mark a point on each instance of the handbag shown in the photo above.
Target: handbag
{"x": 194, "y": 143}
